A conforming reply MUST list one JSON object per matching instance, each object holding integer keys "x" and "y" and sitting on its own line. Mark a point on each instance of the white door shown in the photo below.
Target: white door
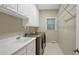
{"x": 77, "y": 27}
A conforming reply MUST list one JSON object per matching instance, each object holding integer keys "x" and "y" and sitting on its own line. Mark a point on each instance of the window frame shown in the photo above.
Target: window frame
{"x": 55, "y": 24}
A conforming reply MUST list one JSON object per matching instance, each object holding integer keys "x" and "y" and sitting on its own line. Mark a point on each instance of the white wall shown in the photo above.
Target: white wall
{"x": 67, "y": 29}
{"x": 50, "y": 35}
{"x": 10, "y": 25}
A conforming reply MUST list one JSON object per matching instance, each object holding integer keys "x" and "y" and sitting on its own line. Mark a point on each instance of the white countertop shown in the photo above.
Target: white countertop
{"x": 11, "y": 45}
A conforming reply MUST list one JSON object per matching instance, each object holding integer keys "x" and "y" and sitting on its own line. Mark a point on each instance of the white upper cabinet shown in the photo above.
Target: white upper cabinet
{"x": 20, "y": 9}
{"x": 12, "y": 7}
{"x": 24, "y": 11}
{"x": 37, "y": 17}
{"x": 31, "y": 12}
{"x": 33, "y": 16}
{"x": 27, "y": 9}
{"x": 3, "y": 5}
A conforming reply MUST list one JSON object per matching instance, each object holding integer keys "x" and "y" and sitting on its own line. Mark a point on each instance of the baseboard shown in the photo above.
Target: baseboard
{"x": 53, "y": 42}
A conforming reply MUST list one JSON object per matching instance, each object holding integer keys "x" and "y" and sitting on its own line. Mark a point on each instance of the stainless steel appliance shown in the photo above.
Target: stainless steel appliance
{"x": 40, "y": 41}
{"x": 40, "y": 44}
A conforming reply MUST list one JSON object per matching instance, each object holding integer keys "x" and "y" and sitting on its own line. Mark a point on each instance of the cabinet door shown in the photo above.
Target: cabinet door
{"x": 27, "y": 9}
{"x": 12, "y": 7}
{"x": 24, "y": 9}
{"x": 33, "y": 19}
{"x": 32, "y": 16}
{"x": 3, "y": 5}
{"x": 22, "y": 51}
{"x": 36, "y": 17}
{"x": 31, "y": 48}
{"x": 0, "y": 4}
{"x": 21, "y": 9}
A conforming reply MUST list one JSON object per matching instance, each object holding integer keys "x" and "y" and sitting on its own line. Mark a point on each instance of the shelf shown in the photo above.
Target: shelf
{"x": 72, "y": 16}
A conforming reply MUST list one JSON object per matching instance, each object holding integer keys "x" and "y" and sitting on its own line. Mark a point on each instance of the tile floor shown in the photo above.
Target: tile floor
{"x": 52, "y": 49}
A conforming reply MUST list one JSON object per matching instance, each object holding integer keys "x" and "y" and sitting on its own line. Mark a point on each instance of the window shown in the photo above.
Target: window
{"x": 51, "y": 23}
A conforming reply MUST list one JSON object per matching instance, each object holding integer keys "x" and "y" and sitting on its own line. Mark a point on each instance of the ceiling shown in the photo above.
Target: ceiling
{"x": 48, "y": 6}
